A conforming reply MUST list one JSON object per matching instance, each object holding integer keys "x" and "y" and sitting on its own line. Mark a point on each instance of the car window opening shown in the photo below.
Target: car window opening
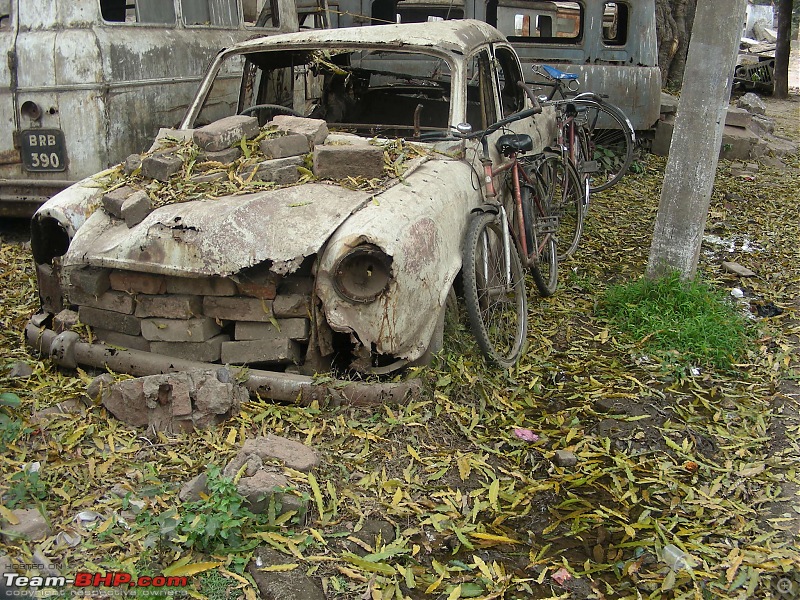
{"x": 368, "y": 92}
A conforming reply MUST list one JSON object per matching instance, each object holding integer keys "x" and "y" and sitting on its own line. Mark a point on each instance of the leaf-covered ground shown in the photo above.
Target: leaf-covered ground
{"x": 702, "y": 461}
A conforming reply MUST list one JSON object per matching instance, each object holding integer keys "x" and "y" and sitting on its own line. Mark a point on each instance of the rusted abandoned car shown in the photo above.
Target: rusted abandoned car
{"x": 317, "y": 226}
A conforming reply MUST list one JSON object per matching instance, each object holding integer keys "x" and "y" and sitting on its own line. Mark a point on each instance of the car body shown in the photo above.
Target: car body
{"x": 348, "y": 263}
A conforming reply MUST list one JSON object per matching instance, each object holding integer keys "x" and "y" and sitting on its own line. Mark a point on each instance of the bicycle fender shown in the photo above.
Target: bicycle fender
{"x": 486, "y": 208}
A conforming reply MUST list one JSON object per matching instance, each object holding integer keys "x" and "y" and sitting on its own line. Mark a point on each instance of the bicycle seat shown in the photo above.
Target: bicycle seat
{"x": 514, "y": 142}
{"x": 558, "y": 74}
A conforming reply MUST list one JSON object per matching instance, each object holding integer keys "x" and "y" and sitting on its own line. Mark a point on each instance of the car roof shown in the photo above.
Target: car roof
{"x": 461, "y": 36}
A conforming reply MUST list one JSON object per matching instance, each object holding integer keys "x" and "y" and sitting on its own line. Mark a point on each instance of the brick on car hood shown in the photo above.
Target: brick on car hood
{"x": 219, "y": 236}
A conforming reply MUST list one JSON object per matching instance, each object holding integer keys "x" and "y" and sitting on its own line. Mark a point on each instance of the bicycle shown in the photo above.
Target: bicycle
{"x": 496, "y": 247}
{"x": 568, "y": 197}
{"x": 603, "y": 140}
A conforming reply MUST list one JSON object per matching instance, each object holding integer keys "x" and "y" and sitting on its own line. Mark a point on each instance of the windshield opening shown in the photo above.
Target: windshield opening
{"x": 368, "y": 92}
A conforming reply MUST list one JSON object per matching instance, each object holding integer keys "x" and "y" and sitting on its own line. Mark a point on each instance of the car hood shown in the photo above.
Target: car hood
{"x": 220, "y": 236}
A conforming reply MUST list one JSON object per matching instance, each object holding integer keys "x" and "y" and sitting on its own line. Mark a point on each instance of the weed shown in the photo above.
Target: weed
{"x": 25, "y": 486}
{"x": 10, "y": 425}
{"x": 215, "y": 586}
{"x": 212, "y": 524}
{"x": 680, "y": 322}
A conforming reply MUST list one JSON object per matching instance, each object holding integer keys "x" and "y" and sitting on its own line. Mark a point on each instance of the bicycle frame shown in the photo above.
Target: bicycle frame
{"x": 506, "y": 249}
{"x": 517, "y": 173}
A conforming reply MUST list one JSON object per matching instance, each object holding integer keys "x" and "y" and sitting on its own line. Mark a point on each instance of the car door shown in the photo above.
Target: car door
{"x": 493, "y": 93}
{"x": 511, "y": 98}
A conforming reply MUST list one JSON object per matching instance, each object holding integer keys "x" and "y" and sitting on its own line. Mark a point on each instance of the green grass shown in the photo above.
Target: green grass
{"x": 683, "y": 323}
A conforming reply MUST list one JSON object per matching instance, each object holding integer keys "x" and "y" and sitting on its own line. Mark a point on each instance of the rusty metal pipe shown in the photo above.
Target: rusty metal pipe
{"x": 67, "y": 350}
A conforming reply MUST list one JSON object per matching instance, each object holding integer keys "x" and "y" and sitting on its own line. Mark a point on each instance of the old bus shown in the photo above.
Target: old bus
{"x": 88, "y": 82}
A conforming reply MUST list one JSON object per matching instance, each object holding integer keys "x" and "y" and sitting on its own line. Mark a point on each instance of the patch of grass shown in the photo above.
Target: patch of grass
{"x": 680, "y": 322}
{"x": 215, "y": 586}
{"x": 11, "y": 425}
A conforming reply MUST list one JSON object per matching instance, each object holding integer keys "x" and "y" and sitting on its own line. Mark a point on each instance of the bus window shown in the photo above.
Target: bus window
{"x": 138, "y": 11}
{"x": 216, "y": 13}
{"x": 5, "y": 14}
{"x": 615, "y": 24}
{"x": 260, "y": 13}
{"x": 521, "y": 20}
{"x": 383, "y": 12}
{"x": 416, "y": 11}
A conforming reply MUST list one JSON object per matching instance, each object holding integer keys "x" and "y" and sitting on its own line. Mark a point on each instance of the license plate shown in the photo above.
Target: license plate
{"x": 43, "y": 150}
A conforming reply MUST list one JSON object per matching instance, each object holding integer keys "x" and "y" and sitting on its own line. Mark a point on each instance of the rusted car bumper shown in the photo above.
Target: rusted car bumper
{"x": 68, "y": 350}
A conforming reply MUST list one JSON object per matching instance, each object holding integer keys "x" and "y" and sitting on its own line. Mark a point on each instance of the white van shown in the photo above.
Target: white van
{"x": 88, "y": 82}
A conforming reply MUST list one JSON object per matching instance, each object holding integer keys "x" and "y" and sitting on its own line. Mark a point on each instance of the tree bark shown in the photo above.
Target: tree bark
{"x": 783, "y": 47}
{"x": 696, "y": 138}
{"x": 674, "y": 20}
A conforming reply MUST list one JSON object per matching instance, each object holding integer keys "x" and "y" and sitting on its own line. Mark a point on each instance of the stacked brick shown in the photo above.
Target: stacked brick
{"x": 251, "y": 318}
{"x": 252, "y": 321}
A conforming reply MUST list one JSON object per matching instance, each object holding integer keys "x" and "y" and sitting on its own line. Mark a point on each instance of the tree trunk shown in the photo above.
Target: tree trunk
{"x": 696, "y": 138}
{"x": 783, "y": 47}
{"x": 674, "y": 20}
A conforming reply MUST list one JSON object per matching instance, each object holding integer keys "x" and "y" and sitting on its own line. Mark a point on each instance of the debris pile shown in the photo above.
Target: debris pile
{"x": 748, "y": 132}
{"x": 173, "y": 402}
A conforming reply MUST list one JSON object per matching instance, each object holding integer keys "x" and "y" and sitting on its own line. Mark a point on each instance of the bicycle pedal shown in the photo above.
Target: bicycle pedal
{"x": 547, "y": 224}
{"x": 590, "y": 166}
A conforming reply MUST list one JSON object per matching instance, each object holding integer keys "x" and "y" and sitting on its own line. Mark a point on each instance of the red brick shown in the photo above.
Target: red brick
{"x": 237, "y": 308}
{"x": 111, "y": 300}
{"x": 316, "y": 130}
{"x": 65, "y": 320}
{"x": 264, "y": 288}
{"x": 179, "y": 330}
{"x": 339, "y": 162}
{"x": 294, "y": 329}
{"x": 291, "y": 305}
{"x": 49, "y": 285}
{"x": 114, "y": 338}
{"x": 223, "y": 133}
{"x": 207, "y": 351}
{"x": 283, "y": 351}
{"x": 92, "y": 280}
{"x": 204, "y": 286}
{"x": 138, "y": 283}
{"x": 107, "y": 319}
{"x": 169, "y": 306}
{"x": 113, "y": 200}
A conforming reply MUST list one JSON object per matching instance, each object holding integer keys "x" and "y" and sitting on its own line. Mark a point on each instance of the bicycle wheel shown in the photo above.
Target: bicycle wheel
{"x": 564, "y": 193}
{"x": 541, "y": 227}
{"x": 494, "y": 290}
{"x": 611, "y": 140}
{"x": 584, "y": 163}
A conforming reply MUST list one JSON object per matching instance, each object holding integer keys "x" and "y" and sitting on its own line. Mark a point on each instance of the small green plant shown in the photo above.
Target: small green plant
{"x": 681, "y": 322}
{"x": 212, "y": 523}
{"x": 25, "y": 486}
{"x": 215, "y": 586}
{"x": 10, "y": 424}
{"x": 215, "y": 523}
